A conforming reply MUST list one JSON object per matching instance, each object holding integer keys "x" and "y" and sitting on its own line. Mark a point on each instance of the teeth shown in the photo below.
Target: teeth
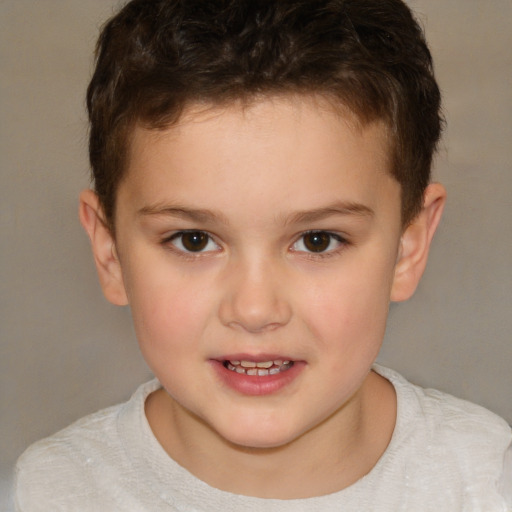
{"x": 261, "y": 368}
{"x": 265, "y": 364}
{"x": 259, "y": 371}
{"x": 262, "y": 364}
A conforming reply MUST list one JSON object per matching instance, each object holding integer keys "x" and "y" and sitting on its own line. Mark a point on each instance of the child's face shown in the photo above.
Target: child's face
{"x": 260, "y": 235}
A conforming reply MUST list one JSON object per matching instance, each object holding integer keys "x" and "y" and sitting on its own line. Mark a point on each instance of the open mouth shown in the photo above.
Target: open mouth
{"x": 260, "y": 368}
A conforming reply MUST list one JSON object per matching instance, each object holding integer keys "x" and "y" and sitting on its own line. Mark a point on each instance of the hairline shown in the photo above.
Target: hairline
{"x": 326, "y": 99}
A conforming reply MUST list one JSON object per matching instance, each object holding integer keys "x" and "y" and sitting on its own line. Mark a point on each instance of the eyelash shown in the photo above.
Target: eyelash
{"x": 183, "y": 252}
{"x": 325, "y": 253}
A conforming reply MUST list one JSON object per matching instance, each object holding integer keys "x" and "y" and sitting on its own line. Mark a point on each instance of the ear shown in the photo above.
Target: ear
{"x": 103, "y": 248}
{"x": 415, "y": 244}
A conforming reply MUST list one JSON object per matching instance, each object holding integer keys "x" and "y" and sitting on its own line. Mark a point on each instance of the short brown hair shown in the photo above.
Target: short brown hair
{"x": 155, "y": 57}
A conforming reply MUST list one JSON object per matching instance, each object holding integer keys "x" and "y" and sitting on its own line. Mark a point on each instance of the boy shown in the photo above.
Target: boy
{"x": 262, "y": 193}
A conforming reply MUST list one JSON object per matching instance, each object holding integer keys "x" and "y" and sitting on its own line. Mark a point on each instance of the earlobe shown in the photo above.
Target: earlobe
{"x": 103, "y": 247}
{"x": 415, "y": 244}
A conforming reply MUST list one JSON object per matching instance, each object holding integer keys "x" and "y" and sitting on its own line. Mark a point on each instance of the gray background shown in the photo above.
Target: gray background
{"x": 66, "y": 352}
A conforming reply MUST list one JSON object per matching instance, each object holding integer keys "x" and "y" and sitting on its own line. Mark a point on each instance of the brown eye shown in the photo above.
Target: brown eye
{"x": 317, "y": 241}
{"x": 194, "y": 241}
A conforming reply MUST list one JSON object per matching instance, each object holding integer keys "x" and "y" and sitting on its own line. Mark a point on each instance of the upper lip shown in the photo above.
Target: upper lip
{"x": 257, "y": 358}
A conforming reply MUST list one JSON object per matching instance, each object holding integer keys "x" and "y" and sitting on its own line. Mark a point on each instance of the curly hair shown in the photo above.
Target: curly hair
{"x": 156, "y": 57}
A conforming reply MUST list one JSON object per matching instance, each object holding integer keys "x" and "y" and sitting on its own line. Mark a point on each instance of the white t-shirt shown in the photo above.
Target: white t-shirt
{"x": 445, "y": 455}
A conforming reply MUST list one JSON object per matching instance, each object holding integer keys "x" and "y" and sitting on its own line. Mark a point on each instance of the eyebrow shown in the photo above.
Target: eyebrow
{"x": 183, "y": 212}
{"x": 203, "y": 215}
{"x": 342, "y": 208}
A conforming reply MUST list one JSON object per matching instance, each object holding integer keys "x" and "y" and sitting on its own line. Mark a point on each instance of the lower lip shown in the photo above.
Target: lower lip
{"x": 256, "y": 385}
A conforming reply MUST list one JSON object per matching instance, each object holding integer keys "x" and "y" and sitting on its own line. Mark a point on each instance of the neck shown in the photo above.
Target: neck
{"x": 326, "y": 459}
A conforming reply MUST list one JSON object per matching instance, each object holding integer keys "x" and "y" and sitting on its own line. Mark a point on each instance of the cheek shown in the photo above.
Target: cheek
{"x": 349, "y": 309}
{"x": 168, "y": 310}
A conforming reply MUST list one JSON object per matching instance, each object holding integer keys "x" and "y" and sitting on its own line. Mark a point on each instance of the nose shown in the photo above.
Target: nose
{"x": 255, "y": 298}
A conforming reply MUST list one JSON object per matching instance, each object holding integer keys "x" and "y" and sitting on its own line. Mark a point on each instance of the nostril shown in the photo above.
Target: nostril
{"x": 255, "y": 328}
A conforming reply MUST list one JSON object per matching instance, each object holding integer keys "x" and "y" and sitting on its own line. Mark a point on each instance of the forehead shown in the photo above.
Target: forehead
{"x": 299, "y": 148}
{"x": 318, "y": 113}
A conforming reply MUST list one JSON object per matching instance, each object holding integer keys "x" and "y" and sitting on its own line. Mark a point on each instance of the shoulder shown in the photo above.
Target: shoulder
{"x": 475, "y": 438}
{"x": 61, "y": 464}
{"x": 505, "y": 484}
{"x": 73, "y": 463}
{"x": 72, "y": 441}
{"x": 449, "y": 444}
{"x": 443, "y": 415}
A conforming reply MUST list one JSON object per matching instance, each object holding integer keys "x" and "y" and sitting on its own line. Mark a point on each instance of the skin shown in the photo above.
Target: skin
{"x": 255, "y": 180}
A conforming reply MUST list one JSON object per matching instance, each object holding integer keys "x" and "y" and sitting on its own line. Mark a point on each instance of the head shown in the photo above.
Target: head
{"x": 261, "y": 171}
{"x": 157, "y": 57}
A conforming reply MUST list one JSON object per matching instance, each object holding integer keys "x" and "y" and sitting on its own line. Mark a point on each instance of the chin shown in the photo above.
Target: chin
{"x": 259, "y": 438}
{"x": 258, "y": 443}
